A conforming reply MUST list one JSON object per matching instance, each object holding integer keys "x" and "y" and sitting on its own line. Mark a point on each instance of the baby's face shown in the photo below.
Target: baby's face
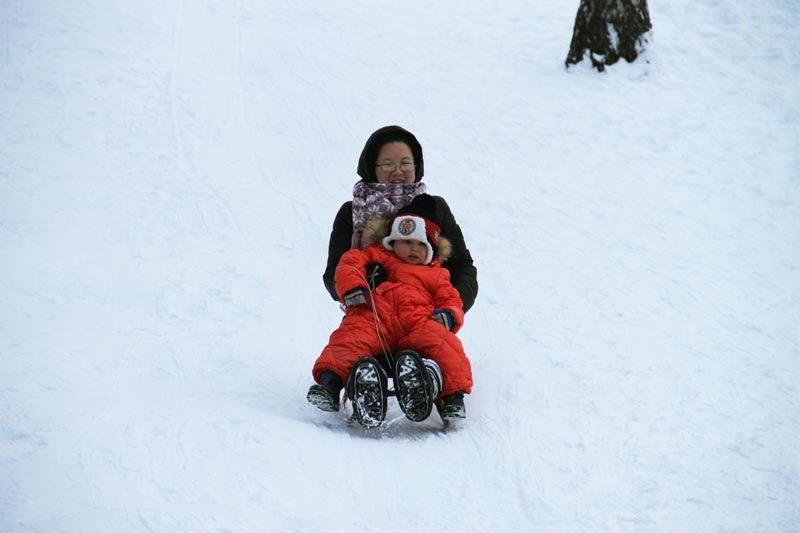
{"x": 411, "y": 251}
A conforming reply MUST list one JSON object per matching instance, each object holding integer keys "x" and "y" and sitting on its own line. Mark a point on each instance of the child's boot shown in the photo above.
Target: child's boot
{"x": 452, "y": 406}
{"x": 325, "y": 395}
{"x": 417, "y": 382}
{"x": 366, "y": 388}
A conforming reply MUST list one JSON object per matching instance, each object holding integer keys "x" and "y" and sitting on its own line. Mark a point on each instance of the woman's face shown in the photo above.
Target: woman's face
{"x": 395, "y": 164}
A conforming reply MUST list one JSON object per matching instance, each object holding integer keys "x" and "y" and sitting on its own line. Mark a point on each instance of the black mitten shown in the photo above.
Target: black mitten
{"x": 376, "y": 275}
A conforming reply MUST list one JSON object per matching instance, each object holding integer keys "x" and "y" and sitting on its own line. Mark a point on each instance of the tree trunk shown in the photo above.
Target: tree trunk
{"x": 609, "y": 30}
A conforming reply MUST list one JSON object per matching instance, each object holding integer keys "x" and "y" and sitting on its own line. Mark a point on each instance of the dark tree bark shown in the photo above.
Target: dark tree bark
{"x": 609, "y": 30}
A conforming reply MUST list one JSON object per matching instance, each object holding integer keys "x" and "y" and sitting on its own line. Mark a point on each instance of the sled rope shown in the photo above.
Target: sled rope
{"x": 387, "y": 352}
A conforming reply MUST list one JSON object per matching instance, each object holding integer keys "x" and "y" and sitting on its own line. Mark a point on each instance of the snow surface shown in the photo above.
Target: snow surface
{"x": 169, "y": 172}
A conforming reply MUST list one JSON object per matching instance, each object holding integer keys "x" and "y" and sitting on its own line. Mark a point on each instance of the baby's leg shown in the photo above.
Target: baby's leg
{"x": 430, "y": 339}
{"x": 354, "y": 338}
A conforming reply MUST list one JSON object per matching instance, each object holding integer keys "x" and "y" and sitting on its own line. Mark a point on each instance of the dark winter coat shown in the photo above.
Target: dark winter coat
{"x": 463, "y": 274}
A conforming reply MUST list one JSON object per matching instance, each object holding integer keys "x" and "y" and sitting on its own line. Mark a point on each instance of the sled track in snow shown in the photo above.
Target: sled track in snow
{"x": 221, "y": 212}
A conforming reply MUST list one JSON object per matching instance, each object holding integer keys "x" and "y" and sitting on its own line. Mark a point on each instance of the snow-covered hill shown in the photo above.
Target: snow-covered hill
{"x": 169, "y": 172}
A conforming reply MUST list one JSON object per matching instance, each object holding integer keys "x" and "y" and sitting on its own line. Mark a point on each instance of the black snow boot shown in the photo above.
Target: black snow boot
{"x": 417, "y": 382}
{"x": 452, "y": 406}
{"x": 325, "y": 395}
{"x": 366, "y": 388}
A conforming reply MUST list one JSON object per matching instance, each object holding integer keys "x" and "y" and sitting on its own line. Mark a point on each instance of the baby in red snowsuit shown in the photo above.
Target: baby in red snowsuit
{"x": 416, "y": 308}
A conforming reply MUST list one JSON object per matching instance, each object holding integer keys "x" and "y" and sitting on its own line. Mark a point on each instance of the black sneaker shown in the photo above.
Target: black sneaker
{"x": 452, "y": 406}
{"x": 413, "y": 386}
{"x": 324, "y": 397}
{"x": 326, "y": 394}
{"x": 366, "y": 388}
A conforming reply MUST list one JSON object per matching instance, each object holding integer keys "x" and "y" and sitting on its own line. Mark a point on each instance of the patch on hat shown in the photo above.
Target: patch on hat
{"x": 409, "y": 227}
{"x": 406, "y": 227}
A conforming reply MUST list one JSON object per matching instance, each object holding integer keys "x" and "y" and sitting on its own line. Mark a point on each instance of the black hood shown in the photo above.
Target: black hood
{"x": 387, "y": 134}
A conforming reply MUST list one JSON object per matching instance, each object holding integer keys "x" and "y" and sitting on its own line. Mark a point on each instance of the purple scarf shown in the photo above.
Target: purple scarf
{"x": 379, "y": 200}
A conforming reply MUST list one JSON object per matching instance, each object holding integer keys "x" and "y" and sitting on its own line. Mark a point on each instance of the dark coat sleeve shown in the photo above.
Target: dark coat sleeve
{"x": 341, "y": 236}
{"x": 463, "y": 274}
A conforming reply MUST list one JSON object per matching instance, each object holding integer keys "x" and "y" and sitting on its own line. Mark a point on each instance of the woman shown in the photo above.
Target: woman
{"x": 391, "y": 169}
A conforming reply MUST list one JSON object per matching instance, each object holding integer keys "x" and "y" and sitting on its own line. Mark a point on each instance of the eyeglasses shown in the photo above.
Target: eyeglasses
{"x": 391, "y": 167}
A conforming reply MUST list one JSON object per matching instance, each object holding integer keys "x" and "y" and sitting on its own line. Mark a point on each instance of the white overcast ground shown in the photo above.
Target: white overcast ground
{"x": 169, "y": 173}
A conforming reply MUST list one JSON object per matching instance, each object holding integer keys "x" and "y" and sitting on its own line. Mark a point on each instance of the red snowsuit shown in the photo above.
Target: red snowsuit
{"x": 404, "y": 304}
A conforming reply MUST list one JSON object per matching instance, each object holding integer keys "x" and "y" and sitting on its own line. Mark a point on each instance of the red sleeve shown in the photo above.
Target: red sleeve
{"x": 351, "y": 271}
{"x": 445, "y": 296}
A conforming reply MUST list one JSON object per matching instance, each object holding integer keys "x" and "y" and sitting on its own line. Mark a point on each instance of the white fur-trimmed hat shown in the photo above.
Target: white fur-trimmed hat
{"x": 414, "y": 228}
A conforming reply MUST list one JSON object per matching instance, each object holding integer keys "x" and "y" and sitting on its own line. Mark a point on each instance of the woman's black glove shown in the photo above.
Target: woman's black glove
{"x": 376, "y": 275}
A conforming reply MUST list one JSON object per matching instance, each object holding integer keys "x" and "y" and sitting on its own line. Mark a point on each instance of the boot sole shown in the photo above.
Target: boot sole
{"x": 411, "y": 387}
{"x": 369, "y": 394}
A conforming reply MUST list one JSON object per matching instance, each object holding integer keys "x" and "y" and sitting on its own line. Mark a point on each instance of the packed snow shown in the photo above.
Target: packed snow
{"x": 169, "y": 174}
